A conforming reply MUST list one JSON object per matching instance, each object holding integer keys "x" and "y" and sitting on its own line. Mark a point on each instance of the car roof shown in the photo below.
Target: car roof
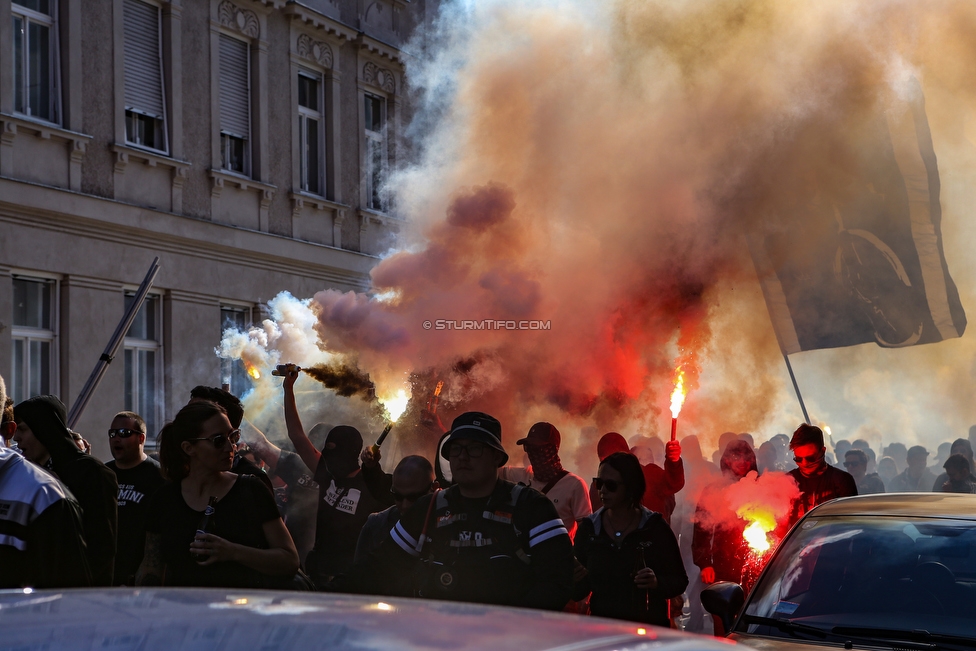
{"x": 245, "y": 620}
{"x": 934, "y": 505}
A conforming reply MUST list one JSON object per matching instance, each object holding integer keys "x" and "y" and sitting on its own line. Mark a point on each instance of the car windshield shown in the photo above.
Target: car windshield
{"x": 868, "y": 575}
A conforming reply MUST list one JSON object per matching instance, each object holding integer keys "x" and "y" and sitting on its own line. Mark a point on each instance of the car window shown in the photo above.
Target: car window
{"x": 885, "y": 572}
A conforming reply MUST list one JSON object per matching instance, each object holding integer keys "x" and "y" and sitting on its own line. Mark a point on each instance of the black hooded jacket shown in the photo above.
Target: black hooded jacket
{"x": 91, "y": 482}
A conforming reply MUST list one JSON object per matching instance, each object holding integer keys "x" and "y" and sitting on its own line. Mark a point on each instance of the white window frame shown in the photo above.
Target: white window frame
{"x": 304, "y": 115}
{"x": 227, "y": 365}
{"x": 227, "y": 138}
{"x": 135, "y": 345}
{"x": 51, "y": 22}
{"x": 134, "y": 111}
{"x": 28, "y": 334}
{"x": 374, "y": 140}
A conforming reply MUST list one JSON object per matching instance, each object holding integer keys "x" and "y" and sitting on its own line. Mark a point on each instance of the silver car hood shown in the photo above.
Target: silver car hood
{"x": 167, "y": 619}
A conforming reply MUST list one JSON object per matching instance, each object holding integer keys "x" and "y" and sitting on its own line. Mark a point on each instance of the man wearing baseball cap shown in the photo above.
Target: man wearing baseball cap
{"x": 482, "y": 540}
{"x": 567, "y": 491}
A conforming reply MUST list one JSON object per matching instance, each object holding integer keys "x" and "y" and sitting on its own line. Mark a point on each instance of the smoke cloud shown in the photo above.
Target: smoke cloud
{"x": 597, "y": 167}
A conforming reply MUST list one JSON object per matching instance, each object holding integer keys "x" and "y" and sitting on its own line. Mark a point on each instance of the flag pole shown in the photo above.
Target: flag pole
{"x": 796, "y": 387}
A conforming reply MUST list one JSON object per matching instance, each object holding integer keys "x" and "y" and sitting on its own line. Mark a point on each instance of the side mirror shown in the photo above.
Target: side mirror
{"x": 724, "y": 600}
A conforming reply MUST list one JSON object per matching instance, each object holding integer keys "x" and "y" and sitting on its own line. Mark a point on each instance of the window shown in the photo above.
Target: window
{"x": 310, "y": 131}
{"x": 34, "y": 351}
{"x": 235, "y": 113}
{"x": 143, "y": 369}
{"x": 232, "y": 371}
{"x": 145, "y": 113}
{"x": 35, "y": 59}
{"x": 375, "y": 150}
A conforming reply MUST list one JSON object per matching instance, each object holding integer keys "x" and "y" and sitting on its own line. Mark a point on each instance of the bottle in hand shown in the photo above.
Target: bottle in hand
{"x": 206, "y": 525}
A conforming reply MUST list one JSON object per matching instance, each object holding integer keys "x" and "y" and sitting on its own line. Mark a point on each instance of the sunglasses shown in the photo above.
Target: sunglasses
{"x": 611, "y": 484}
{"x": 123, "y": 433}
{"x": 851, "y": 464}
{"x": 474, "y": 450}
{"x": 408, "y": 497}
{"x": 813, "y": 458}
{"x": 218, "y": 440}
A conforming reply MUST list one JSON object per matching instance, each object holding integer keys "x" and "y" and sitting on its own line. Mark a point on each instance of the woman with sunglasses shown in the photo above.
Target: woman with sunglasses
{"x": 628, "y": 557}
{"x": 245, "y": 542}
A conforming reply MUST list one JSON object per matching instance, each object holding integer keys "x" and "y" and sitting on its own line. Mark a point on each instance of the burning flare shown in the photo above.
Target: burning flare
{"x": 678, "y": 395}
{"x": 755, "y": 537}
{"x": 396, "y": 405}
{"x": 252, "y": 370}
{"x": 761, "y": 521}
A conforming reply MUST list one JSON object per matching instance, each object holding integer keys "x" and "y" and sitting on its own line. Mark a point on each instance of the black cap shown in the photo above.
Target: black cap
{"x": 476, "y": 426}
{"x": 541, "y": 434}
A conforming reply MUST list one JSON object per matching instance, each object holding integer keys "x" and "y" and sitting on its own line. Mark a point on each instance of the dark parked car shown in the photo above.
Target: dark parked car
{"x": 171, "y": 619}
{"x": 887, "y": 571}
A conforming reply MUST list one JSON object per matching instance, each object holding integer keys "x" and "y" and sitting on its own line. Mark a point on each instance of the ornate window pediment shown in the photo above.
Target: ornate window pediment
{"x": 313, "y": 50}
{"x": 239, "y": 20}
{"x": 382, "y": 78}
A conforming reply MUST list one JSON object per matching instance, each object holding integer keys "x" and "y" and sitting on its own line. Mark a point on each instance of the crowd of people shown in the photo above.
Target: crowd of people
{"x": 638, "y": 542}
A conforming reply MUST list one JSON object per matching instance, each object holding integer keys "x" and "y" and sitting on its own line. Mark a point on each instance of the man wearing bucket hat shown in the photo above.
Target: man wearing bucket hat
{"x": 482, "y": 540}
{"x": 568, "y": 492}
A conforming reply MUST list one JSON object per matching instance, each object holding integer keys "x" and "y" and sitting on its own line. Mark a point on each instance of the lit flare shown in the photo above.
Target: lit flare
{"x": 252, "y": 370}
{"x": 761, "y": 521}
{"x": 396, "y": 405}
{"x": 679, "y": 393}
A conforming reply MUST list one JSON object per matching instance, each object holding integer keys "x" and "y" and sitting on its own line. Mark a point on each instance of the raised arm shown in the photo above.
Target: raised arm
{"x": 674, "y": 468}
{"x": 262, "y": 447}
{"x": 303, "y": 446}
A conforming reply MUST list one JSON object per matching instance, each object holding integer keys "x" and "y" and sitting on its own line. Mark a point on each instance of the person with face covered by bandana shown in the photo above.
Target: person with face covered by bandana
{"x": 567, "y": 492}
{"x": 345, "y": 501}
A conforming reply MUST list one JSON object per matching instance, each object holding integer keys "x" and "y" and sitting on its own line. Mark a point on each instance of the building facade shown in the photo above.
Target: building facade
{"x": 243, "y": 142}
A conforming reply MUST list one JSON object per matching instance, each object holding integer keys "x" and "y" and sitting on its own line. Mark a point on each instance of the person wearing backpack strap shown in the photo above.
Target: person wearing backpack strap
{"x": 567, "y": 492}
{"x": 483, "y": 540}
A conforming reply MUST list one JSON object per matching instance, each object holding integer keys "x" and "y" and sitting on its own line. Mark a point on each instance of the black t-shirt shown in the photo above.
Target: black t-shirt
{"x": 238, "y": 517}
{"x": 344, "y": 505}
{"x": 136, "y": 485}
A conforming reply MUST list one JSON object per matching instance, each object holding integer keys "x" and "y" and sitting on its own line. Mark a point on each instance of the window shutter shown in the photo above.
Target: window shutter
{"x": 234, "y": 87}
{"x": 143, "y": 72}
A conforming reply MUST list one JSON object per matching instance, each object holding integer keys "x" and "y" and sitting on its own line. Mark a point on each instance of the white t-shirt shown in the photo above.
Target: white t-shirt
{"x": 570, "y": 495}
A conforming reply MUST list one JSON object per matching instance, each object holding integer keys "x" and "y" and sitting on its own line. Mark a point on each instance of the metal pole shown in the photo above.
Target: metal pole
{"x": 113, "y": 347}
{"x": 796, "y": 388}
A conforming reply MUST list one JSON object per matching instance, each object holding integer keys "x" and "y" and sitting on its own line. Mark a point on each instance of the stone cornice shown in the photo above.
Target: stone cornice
{"x": 120, "y": 223}
{"x": 44, "y": 130}
{"x": 383, "y": 218}
{"x": 379, "y": 48}
{"x": 320, "y": 203}
{"x": 125, "y": 152}
{"x": 314, "y": 19}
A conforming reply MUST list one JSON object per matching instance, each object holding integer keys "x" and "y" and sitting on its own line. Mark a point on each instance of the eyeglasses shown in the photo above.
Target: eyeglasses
{"x": 474, "y": 450}
{"x": 408, "y": 497}
{"x": 813, "y": 458}
{"x": 123, "y": 433}
{"x": 611, "y": 484}
{"x": 218, "y": 440}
